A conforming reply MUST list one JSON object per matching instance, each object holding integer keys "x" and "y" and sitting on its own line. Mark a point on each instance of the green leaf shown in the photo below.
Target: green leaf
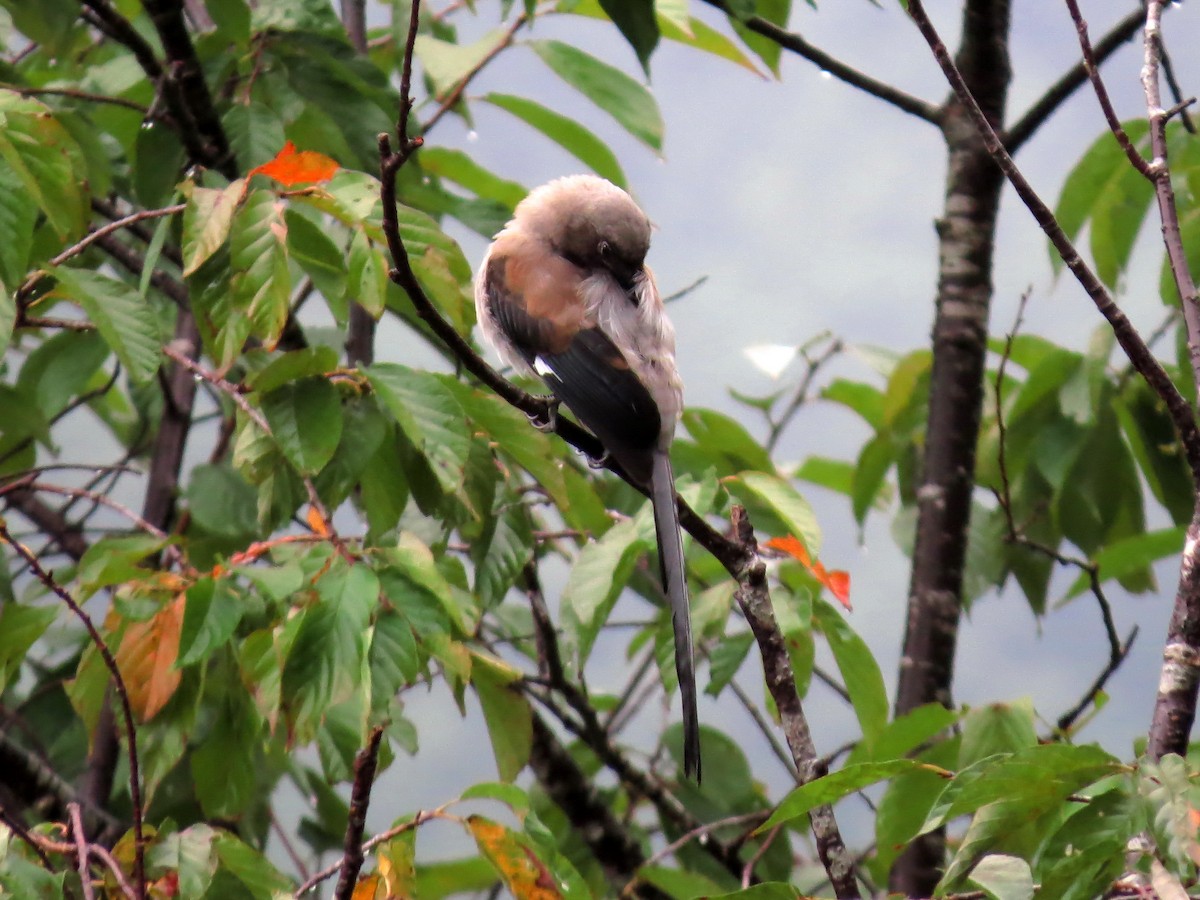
{"x": 502, "y": 553}
{"x": 61, "y": 368}
{"x": 457, "y": 166}
{"x": 635, "y": 19}
{"x": 393, "y": 658}
{"x": 864, "y": 399}
{"x": 115, "y": 559}
{"x": 828, "y": 789}
{"x": 608, "y": 87}
{"x": 293, "y": 366}
{"x": 860, "y": 672}
{"x": 306, "y": 419}
{"x": 726, "y": 439}
{"x": 905, "y": 734}
{"x": 567, "y": 133}
{"x": 533, "y": 450}
{"x": 227, "y": 791}
{"x": 1105, "y": 191}
{"x": 366, "y": 274}
{"x": 18, "y": 216}
{"x": 325, "y": 659}
{"x": 1004, "y": 877}
{"x": 870, "y": 472}
{"x": 995, "y": 729}
{"x": 447, "y": 63}
{"x": 255, "y": 133}
{"x": 834, "y": 474}
{"x": 769, "y": 51}
{"x": 600, "y": 571}
{"x": 699, "y": 35}
{"x": 222, "y": 502}
{"x": 506, "y": 712}
{"x": 125, "y": 321}
{"x": 318, "y": 255}
{"x": 430, "y": 417}
{"x": 46, "y": 160}
{"x": 189, "y": 855}
{"x": 20, "y": 626}
{"x": 261, "y": 283}
{"x": 207, "y": 219}
{"x": 210, "y": 617}
{"x": 792, "y": 511}
{"x": 250, "y": 867}
{"x": 1130, "y": 555}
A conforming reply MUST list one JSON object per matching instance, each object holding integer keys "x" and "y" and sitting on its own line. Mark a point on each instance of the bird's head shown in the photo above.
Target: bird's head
{"x": 590, "y": 222}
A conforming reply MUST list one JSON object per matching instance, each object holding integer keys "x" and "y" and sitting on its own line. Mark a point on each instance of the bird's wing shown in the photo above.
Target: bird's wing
{"x": 535, "y": 303}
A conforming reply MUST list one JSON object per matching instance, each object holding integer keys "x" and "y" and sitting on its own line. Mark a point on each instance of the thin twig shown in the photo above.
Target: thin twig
{"x": 448, "y": 101}
{"x": 698, "y": 833}
{"x": 14, "y": 824}
{"x": 360, "y": 799}
{"x": 135, "y": 787}
{"x": 765, "y": 727}
{"x": 1028, "y": 124}
{"x": 881, "y": 90}
{"x": 288, "y": 847}
{"x": 1110, "y": 115}
{"x": 1181, "y": 104}
{"x": 800, "y": 394}
{"x": 415, "y": 822}
{"x": 758, "y": 855}
{"x": 1117, "y": 650}
{"x": 81, "y": 851}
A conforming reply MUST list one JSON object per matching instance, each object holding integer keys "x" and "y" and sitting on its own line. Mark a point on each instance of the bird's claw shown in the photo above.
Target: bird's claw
{"x": 597, "y": 462}
{"x": 546, "y": 421}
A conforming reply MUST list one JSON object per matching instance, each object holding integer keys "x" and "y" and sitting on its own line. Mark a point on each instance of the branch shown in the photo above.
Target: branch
{"x": 1025, "y": 127}
{"x": 1127, "y": 336}
{"x": 415, "y": 822}
{"x": 360, "y": 798}
{"x": 755, "y": 601}
{"x": 187, "y": 72}
{"x": 789, "y": 40}
{"x": 590, "y": 813}
{"x": 448, "y": 102}
{"x": 1114, "y": 124}
{"x": 135, "y": 787}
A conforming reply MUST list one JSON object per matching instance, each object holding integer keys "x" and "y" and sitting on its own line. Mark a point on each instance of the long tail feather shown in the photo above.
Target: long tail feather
{"x": 670, "y": 554}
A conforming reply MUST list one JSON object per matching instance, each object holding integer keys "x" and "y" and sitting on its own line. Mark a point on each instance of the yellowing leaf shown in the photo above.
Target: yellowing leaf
{"x": 291, "y": 166}
{"x": 146, "y": 659}
{"x": 523, "y": 873}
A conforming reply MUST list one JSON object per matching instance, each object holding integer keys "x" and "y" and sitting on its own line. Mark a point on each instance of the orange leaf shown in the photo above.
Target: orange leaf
{"x": 317, "y": 522}
{"x": 524, "y": 874}
{"x": 146, "y": 659}
{"x": 291, "y": 166}
{"x": 366, "y": 887}
{"x": 837, "y": 581}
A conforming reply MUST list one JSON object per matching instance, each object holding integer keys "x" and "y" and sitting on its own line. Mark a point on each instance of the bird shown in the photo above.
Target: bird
{"x": 564, "y": 292}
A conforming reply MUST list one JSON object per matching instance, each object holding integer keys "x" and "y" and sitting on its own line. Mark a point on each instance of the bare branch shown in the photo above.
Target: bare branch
{"x": 795, "y": 43}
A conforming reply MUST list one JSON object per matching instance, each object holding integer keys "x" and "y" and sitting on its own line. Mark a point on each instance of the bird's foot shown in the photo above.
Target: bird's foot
{"x": 546, "y": 421}
{"x": 597, "y": 462}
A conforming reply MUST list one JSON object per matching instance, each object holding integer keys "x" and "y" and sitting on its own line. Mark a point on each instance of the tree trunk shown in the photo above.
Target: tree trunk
{"x": 966, "y": 233}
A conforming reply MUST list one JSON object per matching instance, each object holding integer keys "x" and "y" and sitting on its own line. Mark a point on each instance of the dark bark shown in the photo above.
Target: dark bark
{"x": 592, "y": 818}
{"x": 966, "y": 235}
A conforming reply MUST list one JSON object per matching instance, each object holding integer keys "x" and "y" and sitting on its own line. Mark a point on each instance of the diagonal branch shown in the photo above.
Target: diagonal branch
{"x": 1058, "y": 93}
{"x": 795, "y": 43}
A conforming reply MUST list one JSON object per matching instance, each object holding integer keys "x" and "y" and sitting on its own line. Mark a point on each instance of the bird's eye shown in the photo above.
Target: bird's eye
{"x": 605, "y": 250}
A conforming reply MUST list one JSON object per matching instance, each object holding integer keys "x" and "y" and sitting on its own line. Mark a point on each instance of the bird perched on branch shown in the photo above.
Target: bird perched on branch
{"x": 564, "y": 291}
